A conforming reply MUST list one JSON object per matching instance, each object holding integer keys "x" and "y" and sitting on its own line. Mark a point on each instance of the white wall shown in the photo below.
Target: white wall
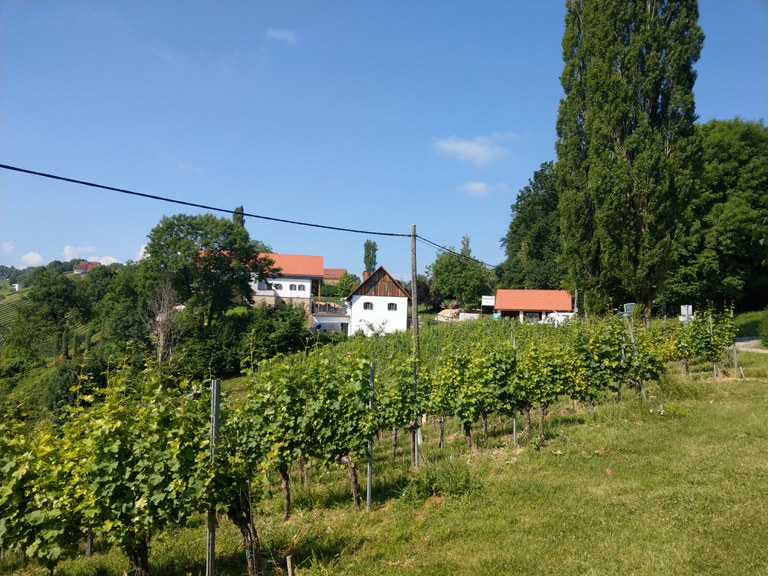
{"x": 268, "y": 288}
{"x": 380, "y": 319}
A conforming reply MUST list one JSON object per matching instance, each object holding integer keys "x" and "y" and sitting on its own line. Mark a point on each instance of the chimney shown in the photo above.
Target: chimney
{"x": 365, "y": 275}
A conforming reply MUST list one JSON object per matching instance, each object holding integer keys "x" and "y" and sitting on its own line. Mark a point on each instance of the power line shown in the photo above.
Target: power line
{"x": 451, "y": 251}
{"x": 228, "y": 211}
{"x": 202, "y": 206}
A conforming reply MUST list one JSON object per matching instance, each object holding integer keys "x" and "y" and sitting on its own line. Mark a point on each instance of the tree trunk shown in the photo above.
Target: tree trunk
{"x": 542, "y": 411}
{"x": 301, "y": 471}
{"x": 138, "y": 557}
{"x": 468, "y": 434}
{"x": 485, "y": 426}
{"x": 353, "y": 482}
{"x": 394, "y": 442}
{"x": 241, "y": 514}
{"x": 285, "y": 483}
{"x": 441, "y": 425}
{"x": 527, "y": 428}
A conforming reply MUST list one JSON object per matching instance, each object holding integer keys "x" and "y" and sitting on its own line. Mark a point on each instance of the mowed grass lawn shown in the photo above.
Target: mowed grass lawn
{"x": 680, "y": 490}
{"x": 673, "y": 485}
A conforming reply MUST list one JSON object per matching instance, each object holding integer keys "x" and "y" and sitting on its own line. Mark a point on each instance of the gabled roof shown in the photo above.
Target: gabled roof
{"x": 375, "y": 285}
{"x": 297, "y": 265}
{"x": 333, "y": 273}
{"x": 534, "y": 300}
{"x": 85, "y": 266}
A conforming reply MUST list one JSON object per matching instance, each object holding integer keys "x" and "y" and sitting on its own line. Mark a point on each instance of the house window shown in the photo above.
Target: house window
{"x": 277, "y": 286}
{"x": 302, "y": 288}
{"x": 367, "y": 305}
{"x": 293, "y": 287}
{"x": 392, "y": 307}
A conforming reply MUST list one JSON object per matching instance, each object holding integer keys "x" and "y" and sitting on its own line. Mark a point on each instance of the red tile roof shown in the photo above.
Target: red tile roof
{"x": 534, "y": 300}
{"x": 333, "y": 273}
{"x": 297, "y": 265}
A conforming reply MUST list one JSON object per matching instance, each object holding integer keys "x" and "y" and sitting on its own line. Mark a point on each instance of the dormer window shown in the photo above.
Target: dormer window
{"x": 367, "y": 305}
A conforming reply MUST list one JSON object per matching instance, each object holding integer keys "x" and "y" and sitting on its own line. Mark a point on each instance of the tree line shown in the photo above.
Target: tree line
{"x": 642, "y": 204}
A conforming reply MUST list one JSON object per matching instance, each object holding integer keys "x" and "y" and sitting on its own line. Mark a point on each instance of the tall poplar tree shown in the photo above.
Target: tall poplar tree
{"x": 627, "y": 150}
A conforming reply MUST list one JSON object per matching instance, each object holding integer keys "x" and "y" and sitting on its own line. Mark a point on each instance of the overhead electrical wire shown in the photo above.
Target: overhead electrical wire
{"x": 196, "y": 205}
{"x": 451, "y": 251}
{"x": 227, "y": 211}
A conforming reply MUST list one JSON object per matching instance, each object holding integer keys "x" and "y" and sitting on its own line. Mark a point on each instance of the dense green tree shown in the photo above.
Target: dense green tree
{"x": 238, "y": 217}
{"x": 627, "y": 149}
{"x": 720, "y": 258}
{"x": 347, "y": 283}
{"x": 53, "y": 306}
{"x": 532, "y": 243}
{"x": 211, "y": 261}
{"x": 369, "y": 256}
{"x": 461, "y": 277}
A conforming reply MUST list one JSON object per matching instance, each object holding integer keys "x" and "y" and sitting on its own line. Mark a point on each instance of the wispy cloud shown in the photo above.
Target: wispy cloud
{"x": 7, "y": 247}
{"x": 478, "y": 189}
{"x": 480, "y": 150}
{"x": 32, "y": 259}
{"x": 282, "y": 35}
{"x": 168, "y": 55}
{"x": 475, "y": 189}
{"x": 71, "y": 252}
{"x": 105, "y": 260}
{"x": 182, "y": 165}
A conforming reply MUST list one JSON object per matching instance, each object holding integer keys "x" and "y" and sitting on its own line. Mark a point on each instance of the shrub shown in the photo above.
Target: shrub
{"x": 446, "y": 478}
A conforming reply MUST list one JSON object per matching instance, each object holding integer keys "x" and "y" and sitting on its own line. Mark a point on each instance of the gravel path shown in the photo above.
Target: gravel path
{"x": 750, "y": 344}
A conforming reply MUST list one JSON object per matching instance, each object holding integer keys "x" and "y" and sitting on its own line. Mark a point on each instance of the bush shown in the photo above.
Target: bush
{"x": 764, "y": 328}
{"x": 447, "y": 478}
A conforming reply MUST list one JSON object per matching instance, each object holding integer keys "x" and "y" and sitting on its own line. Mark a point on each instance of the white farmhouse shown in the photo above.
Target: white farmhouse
{"x": 298, "y": 278}
{"x": 378, "y": 306}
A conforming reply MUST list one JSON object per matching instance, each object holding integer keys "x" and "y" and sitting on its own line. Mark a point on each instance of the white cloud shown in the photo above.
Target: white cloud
{"x": 478, "y": 189}
{"x": 32, "y": 259}
{"x": 282, "y": 35}
{"x": 71, "y": 252}
{"x": 7, "y": 247}
{"x": 105, "y": 260}
{"x": 142, "y": 252}
{"x": 475, "y": 189}
{"x": 480, "y": 150}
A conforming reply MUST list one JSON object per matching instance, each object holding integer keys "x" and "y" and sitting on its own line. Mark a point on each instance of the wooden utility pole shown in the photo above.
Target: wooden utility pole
{"x": 415, "y": 329}
{"x": 210, "y": 549}
{"x": 414, "y": 299}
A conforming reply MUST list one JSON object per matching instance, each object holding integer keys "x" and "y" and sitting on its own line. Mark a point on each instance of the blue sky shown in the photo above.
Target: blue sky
{"x": 369, "y": 115}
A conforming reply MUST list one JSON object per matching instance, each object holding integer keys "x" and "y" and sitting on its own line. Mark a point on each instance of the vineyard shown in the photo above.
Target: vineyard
{"x": 132, "y": 460}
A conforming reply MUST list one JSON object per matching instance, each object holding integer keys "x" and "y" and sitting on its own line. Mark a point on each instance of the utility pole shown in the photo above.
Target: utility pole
{"x": 210, "y": 549}
{"x": 414, "y": 300}
{"x": 415, "y": 328}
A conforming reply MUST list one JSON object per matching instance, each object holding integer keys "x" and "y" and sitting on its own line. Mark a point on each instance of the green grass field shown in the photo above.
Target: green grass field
{"x": 676, "y": 484}
{"x": 748, "y": 323}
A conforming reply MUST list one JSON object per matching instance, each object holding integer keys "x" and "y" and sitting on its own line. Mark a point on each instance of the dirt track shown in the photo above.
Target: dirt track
{"x": 750, "y": 344}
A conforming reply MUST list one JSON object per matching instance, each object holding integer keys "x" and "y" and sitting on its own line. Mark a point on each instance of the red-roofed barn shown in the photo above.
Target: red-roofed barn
{"x": 532, "y": 304}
